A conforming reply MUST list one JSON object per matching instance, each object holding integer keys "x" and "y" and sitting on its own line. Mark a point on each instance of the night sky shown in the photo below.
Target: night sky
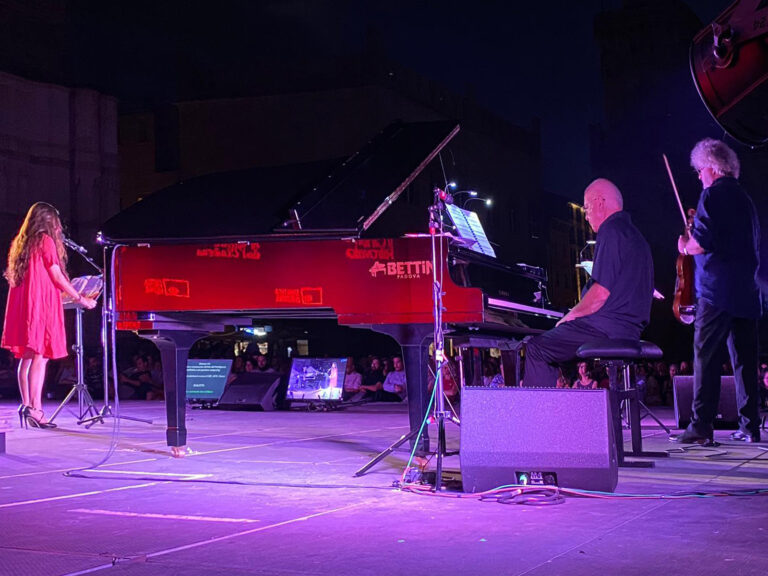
{"x": 527, "y": 62}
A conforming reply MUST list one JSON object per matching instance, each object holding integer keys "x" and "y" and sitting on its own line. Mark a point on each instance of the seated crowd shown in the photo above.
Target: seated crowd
{"x": 379, "y": 378}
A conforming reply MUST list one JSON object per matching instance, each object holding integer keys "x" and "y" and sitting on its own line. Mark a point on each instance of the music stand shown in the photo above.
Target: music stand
{"x": 89, "y": 286}
{"x": 439, "y": 413}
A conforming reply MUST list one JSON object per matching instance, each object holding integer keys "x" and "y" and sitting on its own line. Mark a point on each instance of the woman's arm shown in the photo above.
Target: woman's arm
{"x": 61, "y": 282}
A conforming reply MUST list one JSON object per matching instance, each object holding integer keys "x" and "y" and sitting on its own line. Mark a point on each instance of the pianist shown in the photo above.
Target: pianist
{"x": 617, "y": 299}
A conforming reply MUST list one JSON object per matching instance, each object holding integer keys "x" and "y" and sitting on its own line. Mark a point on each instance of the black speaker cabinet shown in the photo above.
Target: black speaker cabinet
{"x": 727, "y": 411}
{"x": 537, "y": 436}
{"x": 251, "y": 391}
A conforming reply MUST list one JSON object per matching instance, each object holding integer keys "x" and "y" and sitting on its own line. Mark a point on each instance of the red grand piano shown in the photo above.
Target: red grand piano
{"x": 231, "y": 250}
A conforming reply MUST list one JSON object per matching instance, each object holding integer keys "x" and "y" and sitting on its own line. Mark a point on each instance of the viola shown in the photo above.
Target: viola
{"x": 684, "y": 302}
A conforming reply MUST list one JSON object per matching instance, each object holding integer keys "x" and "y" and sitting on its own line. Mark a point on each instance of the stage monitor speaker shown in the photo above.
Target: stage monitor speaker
{"x": 537, "y": 436}
{"x": 251, "y": 391}
{"x": 727, "y": 411}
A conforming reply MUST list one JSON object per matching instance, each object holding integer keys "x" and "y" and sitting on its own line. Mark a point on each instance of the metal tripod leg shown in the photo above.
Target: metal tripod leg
{"x": 649, "y": 412}
{"x": 381, "y": 455}
{"x": 106, "y": 412}
{"x": 86, "y": 406}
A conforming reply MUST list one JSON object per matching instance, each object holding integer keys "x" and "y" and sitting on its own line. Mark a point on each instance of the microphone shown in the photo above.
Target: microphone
{"x": 74, "y": 245}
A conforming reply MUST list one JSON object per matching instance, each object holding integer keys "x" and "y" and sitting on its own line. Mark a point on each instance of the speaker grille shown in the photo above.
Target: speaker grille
{"x": 506, "y": 431}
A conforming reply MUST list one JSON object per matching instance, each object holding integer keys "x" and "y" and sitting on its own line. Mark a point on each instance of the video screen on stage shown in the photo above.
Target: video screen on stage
{"x": 316, "y": 378}
{"x": 206, "y": 379}
{"x": 469, "y": 228}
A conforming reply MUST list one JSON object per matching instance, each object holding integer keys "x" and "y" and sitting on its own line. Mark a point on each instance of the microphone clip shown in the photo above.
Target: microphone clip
{"x": 71, "y": 244}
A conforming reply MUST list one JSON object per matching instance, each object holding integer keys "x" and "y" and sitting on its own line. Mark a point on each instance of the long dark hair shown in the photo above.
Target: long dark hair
{"x": 42, "y": 218}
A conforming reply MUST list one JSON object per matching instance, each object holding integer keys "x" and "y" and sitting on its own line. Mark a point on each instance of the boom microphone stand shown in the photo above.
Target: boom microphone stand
{"x": 436, "y": 213}
{"x": 109, "y": 343}
{"x": 439, "y": 414}
{"x": 89, "y": 285}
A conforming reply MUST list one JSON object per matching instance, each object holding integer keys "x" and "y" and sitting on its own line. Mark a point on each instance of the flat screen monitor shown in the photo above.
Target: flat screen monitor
{"x": 206, "y": 379}
{"x": 316, "y": 378}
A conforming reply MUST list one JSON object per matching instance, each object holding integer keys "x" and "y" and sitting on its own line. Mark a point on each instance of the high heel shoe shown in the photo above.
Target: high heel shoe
{"x": 34, "y": 422}
{"x": 22, "y": 414}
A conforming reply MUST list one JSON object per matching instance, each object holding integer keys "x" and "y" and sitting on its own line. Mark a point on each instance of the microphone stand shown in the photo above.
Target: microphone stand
{"x": 106, "y": 317}
{"x": 86, "y": 406}
{"x": 439, "y": 413}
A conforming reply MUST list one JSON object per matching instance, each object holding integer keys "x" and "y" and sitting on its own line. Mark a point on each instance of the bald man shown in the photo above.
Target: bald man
{"x": 617, "y": 301}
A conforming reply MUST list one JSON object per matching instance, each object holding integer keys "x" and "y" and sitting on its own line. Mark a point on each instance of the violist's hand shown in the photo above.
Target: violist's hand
{"x": 682, "y": 241}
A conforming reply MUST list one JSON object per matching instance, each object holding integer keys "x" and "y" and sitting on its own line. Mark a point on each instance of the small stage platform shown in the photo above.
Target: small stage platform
{"x": 273, "y": 493}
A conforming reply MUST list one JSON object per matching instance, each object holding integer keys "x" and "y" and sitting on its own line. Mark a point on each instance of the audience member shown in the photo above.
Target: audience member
{"x": 585, "y": 381}
{"x": 640, "y": 380}
{"x": 373, "y": 379}
{"x": 94, "y": 374}
{"x": 156, "y": 372}
{"x": 386, "y": 366}
{"x": 394, "y": 387}
{"x": 451, "y": 379}
{"x": 491, "y": 374}
{"x": 352, "y": 380}
{"x": 66, "y": 376}
{"x": 138, "y": 378}
{"x": 652, "y": 393}
{"x": 263, "y": 364}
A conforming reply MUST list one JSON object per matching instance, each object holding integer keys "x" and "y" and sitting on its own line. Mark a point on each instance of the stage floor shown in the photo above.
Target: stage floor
{"x": 274, "y": 494}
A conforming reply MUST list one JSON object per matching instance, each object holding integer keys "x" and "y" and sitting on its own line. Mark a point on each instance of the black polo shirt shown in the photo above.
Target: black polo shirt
{"x": 624, "y": 266}
{"x": 727, "y": 228}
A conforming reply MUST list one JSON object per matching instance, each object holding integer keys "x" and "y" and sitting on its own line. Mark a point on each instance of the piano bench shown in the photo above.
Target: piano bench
{"x": 619, "y": 355}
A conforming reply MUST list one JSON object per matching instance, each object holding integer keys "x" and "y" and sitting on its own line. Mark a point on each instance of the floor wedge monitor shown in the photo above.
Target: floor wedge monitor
{"x": 251, "y": 391}
{"x": 537, "y": 436}
{"x": 727, "y": 410}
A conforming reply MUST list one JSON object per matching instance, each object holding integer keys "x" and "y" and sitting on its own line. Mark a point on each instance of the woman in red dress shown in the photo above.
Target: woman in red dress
{"x": 34, "y": 315}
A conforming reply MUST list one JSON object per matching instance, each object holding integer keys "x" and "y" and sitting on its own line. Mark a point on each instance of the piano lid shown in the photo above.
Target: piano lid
{"x": 326, "y": 198}
{"x": 364, "y": 186}
{"x": 226, "y": 206}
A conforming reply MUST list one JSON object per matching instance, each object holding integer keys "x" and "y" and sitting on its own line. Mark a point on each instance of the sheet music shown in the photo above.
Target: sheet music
{"x": 89, "y": 286}
{"x": 469, "y": 228}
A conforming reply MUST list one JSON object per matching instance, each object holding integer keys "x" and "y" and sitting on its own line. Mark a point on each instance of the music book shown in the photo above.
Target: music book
{"x": 89, "y": 286}
{"x": 469, "y": 228}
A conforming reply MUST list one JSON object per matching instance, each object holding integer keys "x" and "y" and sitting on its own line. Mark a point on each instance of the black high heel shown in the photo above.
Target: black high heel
{"x": 34, "y": 422}
{"x": 23, "y": 410}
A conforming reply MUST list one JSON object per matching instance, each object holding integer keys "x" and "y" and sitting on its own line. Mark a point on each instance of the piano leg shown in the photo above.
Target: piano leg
{"x": 414, "y": 339}
{"x": 174, "y": 351}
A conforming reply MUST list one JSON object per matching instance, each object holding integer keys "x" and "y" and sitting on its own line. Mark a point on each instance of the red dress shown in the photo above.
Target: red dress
{"x": 34, "y": 316}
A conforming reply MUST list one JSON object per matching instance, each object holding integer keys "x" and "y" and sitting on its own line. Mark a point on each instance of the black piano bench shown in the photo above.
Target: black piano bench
{"x": 619, "y": 355}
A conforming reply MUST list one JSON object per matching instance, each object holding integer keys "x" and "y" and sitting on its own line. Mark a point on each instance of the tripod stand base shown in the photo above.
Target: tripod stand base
{"x": 106, "y": 412}
{"x": 649, "y": 412}
{"x": 381, "y": 455}
{"x": 85, "y": 402}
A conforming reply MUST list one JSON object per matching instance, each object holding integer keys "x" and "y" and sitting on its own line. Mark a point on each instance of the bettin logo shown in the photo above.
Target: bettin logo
{"x": 401, "y": 270}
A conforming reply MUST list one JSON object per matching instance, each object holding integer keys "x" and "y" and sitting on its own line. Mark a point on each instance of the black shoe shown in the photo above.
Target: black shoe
{"x": 692, "y": 437}
{"x": 740, "y": 436}
{"x": 23, "y": 411}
